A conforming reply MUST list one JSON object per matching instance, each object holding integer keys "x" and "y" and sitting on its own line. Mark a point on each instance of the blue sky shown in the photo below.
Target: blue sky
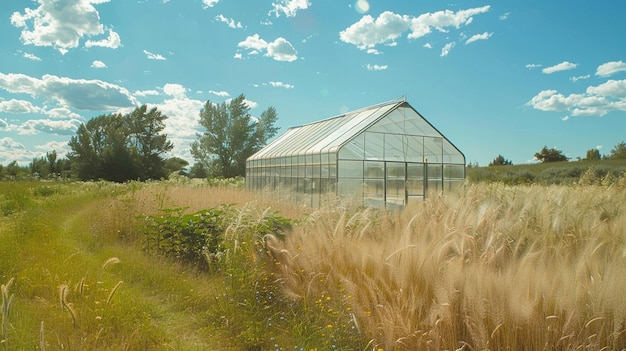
{"x": 495, "y": 77}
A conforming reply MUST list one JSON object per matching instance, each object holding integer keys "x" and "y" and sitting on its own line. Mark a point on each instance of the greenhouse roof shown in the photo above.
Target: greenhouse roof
{"x": 329, "y": 135}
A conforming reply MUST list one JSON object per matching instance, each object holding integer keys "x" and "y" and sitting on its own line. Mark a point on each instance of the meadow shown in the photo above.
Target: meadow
{"x": 185, "y": 265}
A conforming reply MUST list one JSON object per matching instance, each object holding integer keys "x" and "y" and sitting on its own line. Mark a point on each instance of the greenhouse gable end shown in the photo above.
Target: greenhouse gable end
{"x": 385, "y": 155}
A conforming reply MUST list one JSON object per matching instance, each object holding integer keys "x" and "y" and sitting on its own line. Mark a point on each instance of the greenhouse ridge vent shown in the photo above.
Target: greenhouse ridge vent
{"x": 386, "y": 155}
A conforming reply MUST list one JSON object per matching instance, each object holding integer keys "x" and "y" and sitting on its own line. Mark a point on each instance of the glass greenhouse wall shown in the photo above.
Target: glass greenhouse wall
{"x": 381, "y": 156}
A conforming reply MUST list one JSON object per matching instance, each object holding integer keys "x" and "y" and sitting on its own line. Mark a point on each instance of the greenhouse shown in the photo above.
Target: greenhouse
{"x": 386, "y": 155}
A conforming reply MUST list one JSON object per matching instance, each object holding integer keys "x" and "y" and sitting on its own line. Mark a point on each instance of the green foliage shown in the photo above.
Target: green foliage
{"x": 231, "y": 136}
{"x": 121, "y": 147}
{"x": 500, "y": 161}
{"x": 550, "y": 155}
{"x": 618, "y": 152}
{"x": 593, "y": 155}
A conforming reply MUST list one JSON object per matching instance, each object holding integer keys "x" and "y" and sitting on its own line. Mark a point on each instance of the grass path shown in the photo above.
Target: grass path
{"x": 135, "y": 303}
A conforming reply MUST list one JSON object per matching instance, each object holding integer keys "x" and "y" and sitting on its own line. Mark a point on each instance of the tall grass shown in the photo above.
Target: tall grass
{"x": 499, "y": 267}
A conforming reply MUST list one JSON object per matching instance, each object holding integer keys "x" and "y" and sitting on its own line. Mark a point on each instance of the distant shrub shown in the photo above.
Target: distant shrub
{"x": 44, "y": 191}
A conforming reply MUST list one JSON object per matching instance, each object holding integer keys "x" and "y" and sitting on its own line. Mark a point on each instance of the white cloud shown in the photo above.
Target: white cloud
{"x": 152, "y": 56}
{"x": 209, "y": 3}
{"x": 146, "y": 93}
{"x": 219, "y": 93}
{"x": 98, "y": 64}
{"x": 388, "y": 27}
{"x": 49, "y": 126}
{"x": 113, "y": 41}
{"x": 476, "y": 37}
{"x": 610, "y": 68}
{"x": 428, "y": 46}
{"x": 280, "y": 49}
{"x": 62, "y": 113}
{"x": 532, "y": 65}
{"x": 563, "y": 66}
{"x": 376, "y": 67}
{"x": 595, "y": 101}
{"x": 81, "y": 94}
{"x": 31, "y": 57}
{"x": 60, "y": 24}
{"x": 175, "y": 90}
{"x": 11, "y": 150}
{"x": 229, "y": 21}
{"x": 446, "y": 49}
{"x": 281, "y": 85}
{"x": 18, "y": 106}
{"x": 575, "y": 79}
{"x": 504, "y": 16}
{"x": 289, "y": 7}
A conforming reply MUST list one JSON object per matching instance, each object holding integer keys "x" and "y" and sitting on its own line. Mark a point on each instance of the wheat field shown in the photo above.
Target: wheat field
{"x": 498, "y": 267}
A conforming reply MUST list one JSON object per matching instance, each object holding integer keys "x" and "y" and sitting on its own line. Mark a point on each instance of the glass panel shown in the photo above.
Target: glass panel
{"x": 350, "y": 187}
{"x": 432, "y": 149}
{"x": 353, "y": 150}
{"x": 434, "y": 170}
{"x": 374, "y": 146}
{"x": 395, "y": 170}
{"x": 374, "y": 169}
{"x": 374, "y": 192}
{"x": 415, "y": 179}
{"x": 394, "y": 147}
{"x": 453, "y": 171}
{"x": 351, "y": 169}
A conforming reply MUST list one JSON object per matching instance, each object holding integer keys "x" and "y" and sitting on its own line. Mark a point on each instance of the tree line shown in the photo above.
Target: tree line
{"x": 546, "y": 155}
{"x": 122, "y": 147}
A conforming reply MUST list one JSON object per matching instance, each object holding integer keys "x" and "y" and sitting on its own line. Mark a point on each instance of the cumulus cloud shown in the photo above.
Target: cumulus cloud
{"x": 532, "y": 65}
{"x": 376, "y": 67}
{"x": 175, "y": 90}
{"x": 49, "y": 126}
{"x": 289, "y": 7}
{"x": 388, "y": 27}
{"x": 595, "y": 101}
{"x": 146, "y": 92}
{"x": 563, "y": 66}
{"x": 98, "y": 64}
{"x": 18, "y": 106}
{"x": 11, "y": 150}
{"x": 229, "y": 21}
{"x": 153, "y": 56}
{"x": 476, "y": 37}
{"x": 610, "y": 68}
{"x": 81, "y": 94}
{"x": 113, "y": 41}
{"x": 59, "y": 23}
{"x": 280, "y": 49}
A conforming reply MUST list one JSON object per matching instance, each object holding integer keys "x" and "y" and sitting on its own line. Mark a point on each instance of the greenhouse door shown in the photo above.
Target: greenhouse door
{"x": 415, "y": 182}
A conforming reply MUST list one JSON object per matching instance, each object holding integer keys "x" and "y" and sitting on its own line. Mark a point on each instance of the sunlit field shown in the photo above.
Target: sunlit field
{"x": 104, "y": 266}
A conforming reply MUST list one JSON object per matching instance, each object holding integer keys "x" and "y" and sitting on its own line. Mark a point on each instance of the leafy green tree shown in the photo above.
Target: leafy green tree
{"x": 14, "y": 170}
{"x": 593, "y": 155}
{"x": 145, "y": 137}
{"x": 550, "y": 155}
{"x": 121, "y": 147}
{"x": 39, "y": 167}
{"x": 232, "y": 135}
{"x": 198, "y": 170}
{"x": 500, "y": 161}
{"x": 618, "y": 152}
{"x": 51, "y": 157}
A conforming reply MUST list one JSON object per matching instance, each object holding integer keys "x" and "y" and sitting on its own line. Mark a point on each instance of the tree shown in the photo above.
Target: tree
{"x": 121, "y": 147}
{"x": 593, "y": 155}
{"x": 145, "y": 128}
{"x": 500, "y": 161}
{"x": 550, "y": 155}
{"x": 231, "y": 136}
{"x": 175, "y": 164}
{"x": 618, "y": 152}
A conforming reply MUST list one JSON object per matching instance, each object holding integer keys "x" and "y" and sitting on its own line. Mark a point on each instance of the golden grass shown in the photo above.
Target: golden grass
{"x": 498, "y": 267}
